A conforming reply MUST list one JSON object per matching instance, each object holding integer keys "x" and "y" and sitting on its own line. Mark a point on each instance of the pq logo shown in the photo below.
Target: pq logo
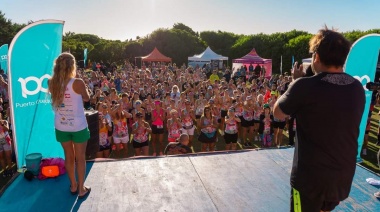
{"x": 363, "y": 80}
{"x": 4, "y": 57}
{"x": 24, "y": 90}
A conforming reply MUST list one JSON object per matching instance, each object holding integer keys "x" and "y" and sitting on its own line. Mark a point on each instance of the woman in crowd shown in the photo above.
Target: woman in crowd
{"x": 137, "y": 109}
{"x": 258, "y": 111}
{"x": 188, "y": 117}
{"x": 124, "y": 102}
{"x": 140, "y": 131}
{"x": 113, "y": 95}
{"x": 5, "y": 148}
{"x": 120, "y": 130}
{"x": 208, "y": 130}
{"x": 174, "y": 126}
{"x": 175, "y": 94}
{"x": 158, "y": 117}
{"x": 231, "y": 129}
{"x": 148, "y": 105}
{"x": 278, "y": 127}
{"x": 200, "y": 104}
{"x": 247, "y": 122}
{"x": 266, "y": 130}
{"x": 166, "y": 100}
{"x": 104, "y": 143}
{"x": 239, "y": 113}
{"x": 225, "y": 104}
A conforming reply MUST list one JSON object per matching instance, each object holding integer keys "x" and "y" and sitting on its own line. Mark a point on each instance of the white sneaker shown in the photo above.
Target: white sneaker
{"x": 364, "y": 152}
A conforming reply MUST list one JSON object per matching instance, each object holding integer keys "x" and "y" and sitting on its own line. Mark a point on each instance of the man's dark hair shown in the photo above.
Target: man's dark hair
{"x": 332, "y": 47}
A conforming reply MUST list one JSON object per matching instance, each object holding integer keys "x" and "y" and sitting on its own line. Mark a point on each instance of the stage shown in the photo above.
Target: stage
{"x": 240, "y": 181}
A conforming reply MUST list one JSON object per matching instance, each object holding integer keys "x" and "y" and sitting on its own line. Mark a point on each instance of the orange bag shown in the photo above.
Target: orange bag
{"x": 50, "y": 171}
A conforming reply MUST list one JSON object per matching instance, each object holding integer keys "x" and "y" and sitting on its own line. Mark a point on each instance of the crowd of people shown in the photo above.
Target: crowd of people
{"x": 175, "y": 108}
{"x": 159, "y": 102}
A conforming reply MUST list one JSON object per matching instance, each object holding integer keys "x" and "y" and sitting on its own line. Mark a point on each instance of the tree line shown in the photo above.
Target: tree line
{"x": 180, "y": 42}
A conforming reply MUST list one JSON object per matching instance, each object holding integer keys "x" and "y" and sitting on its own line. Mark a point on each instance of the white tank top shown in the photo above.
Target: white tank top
{"x": 69, "y": 117}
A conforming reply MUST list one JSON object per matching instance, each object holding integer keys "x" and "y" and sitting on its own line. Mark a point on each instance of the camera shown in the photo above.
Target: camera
{"x": 372, "y": 86}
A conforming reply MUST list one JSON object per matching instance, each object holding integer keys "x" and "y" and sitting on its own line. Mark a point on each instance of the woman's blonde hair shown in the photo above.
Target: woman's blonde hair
{"x": 64, "y": 69}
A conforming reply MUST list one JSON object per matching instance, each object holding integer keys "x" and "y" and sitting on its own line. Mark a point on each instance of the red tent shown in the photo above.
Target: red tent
{"x": 155, "y": 56}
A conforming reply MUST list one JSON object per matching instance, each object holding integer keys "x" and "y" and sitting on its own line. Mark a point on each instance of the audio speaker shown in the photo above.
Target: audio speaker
{"x": 92, "y": 117}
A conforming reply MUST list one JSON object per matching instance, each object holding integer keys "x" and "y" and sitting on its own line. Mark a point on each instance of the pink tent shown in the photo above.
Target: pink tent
{"x": 253, "y": 58}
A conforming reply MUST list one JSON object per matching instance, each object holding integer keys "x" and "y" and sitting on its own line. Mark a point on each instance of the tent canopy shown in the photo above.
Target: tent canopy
{"x": 155, "y": 56}
{"x": 306, "y": 60}
{"x": 207, "y": 56}
{"x": 252, "y": 57}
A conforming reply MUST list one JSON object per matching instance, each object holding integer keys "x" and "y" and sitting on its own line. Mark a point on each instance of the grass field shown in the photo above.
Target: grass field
{"x": 369, "y": 161}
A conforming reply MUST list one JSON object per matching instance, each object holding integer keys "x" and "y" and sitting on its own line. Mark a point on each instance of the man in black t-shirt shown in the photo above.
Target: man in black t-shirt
{"x": 328, "y": 108}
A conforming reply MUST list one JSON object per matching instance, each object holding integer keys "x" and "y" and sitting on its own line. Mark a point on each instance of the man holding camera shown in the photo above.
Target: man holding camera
{"x": 328, "y": 108}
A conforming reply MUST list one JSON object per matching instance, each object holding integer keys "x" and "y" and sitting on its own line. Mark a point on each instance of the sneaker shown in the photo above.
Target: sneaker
{"x": 246, "y": 144}
{"x": 364, "y": 152}
{"x": 250, "y": 144}
{"x": 377, "y": 194}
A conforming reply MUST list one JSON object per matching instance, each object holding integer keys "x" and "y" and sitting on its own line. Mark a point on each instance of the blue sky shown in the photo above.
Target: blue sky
{"x": 125, "y": 19}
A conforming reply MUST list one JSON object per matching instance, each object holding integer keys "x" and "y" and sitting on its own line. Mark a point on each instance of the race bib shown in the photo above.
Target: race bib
{"x": 188, "y": 124}
{"x": 231, "y": 128}
{"x": 175, "y": 133}
{"x": 103, "y": 139}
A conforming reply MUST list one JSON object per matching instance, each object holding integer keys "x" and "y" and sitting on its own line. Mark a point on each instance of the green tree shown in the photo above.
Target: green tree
{"x": 8, "y": 29}
{"x": 183, "y": 27}
{"x": 220, "y": 42}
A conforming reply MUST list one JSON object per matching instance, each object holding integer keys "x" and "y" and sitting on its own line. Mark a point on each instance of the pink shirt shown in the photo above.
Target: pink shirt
{"x": 158, "y": 121}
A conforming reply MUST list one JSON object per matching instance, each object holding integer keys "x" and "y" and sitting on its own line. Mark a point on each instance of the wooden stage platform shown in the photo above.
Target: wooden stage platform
{"x": 239, "y": 181}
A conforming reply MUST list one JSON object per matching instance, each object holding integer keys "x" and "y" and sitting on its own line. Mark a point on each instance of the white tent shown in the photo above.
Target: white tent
{"x": 208, "y": 56}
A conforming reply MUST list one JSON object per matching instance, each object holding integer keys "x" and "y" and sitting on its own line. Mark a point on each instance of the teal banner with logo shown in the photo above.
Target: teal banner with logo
{"x": 31, "y": 59}
{"x": 85, "y": 58}
{"x": 361, "y": 64}
{"x": 4, "y": 58}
